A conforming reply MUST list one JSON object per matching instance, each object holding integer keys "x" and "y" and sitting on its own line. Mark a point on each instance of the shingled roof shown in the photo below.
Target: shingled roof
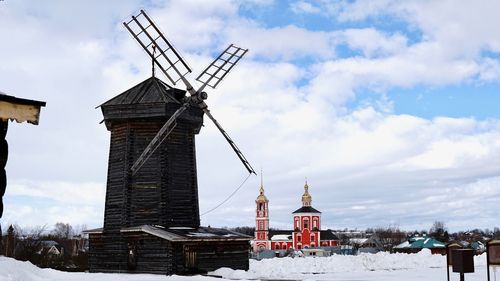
{"x": 328, "y": 235}
{"x": 307, "y": 209}
{"x": 151, "y": 90}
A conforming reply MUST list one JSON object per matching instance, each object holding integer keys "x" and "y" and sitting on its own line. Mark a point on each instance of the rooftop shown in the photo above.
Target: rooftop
{"x": 151, "y": 90}
{"x": 307, "y": 209}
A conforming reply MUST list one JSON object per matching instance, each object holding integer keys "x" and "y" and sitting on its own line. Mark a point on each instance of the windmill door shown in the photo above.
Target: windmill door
{"x": 190, "y": 257}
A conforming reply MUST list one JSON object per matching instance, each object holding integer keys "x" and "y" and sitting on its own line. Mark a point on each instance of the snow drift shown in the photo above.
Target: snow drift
{"x": 382, "y": 261}
{"x": 380, "y": 266}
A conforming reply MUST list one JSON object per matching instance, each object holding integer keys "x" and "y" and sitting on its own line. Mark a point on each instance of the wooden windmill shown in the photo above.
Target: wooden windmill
{"x": 151, "y": 220}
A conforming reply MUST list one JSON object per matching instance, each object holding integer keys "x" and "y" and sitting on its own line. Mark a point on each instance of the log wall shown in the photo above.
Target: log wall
{"x": 204, "y": 256}
{"x": 163, "y": 192}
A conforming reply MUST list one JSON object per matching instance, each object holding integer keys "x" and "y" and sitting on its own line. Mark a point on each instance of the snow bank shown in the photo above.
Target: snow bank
{"x": 295, "y": 267}
{"x": 377, "y": 267}
{"x": 14, "y": 270}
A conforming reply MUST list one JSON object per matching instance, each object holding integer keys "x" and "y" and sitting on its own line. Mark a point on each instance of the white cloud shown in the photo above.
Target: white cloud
{"x": 374, "y": 43}
{"x": 283, "y": 43}
{"x": 489, "y": 70}
{"x": 364, "y": 164}
{"x": 304, "y": 7}
{"x": 60, "y": 192}
{"x": 30, "y": 203}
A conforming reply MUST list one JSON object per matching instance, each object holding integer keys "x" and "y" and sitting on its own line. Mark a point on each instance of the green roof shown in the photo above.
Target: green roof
{"x": 425, "y": 242}
{"x": 421, "y": 242}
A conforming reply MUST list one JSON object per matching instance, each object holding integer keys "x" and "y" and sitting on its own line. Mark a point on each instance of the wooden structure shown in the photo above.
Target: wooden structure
{"x": 151, "y": 219}
{"x": 492, "y": 255}
{"x": 19, "y": 110}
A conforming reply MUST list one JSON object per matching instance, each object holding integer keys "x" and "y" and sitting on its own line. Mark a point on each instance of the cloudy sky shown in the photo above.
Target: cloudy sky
{"x": 389, "y": 108}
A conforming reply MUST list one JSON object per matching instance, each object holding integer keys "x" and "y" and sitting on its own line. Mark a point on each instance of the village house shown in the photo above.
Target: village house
{"x": 417, "y": 243}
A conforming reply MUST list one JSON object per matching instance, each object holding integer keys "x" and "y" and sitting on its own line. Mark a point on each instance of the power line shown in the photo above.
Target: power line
{"x": 229, "y": 197}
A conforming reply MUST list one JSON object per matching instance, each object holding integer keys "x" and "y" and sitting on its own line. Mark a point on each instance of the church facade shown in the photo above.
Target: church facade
{"x": 306, "y": 231}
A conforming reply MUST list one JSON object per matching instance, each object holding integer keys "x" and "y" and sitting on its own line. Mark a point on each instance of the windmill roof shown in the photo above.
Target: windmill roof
{"x": 151, "y": 90}
{"x": 307, "y": 209}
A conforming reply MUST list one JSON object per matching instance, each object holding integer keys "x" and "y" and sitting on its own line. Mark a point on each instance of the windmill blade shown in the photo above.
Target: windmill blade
{"x": 168, "y": 60}
{"x": 220, "y": 67}
{"x": 162, "y": 134}
{"x": 231, "y": 143}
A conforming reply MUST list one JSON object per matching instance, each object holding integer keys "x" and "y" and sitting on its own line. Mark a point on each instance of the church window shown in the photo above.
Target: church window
{"x": 261, "y": 225}
{"x": 306, "y": 223}
{"x": 299, "y": 238}
{"x": 312, "y": 237}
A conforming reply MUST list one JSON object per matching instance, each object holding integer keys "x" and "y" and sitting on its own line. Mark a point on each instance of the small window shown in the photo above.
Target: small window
{"x": 299, "y": 238}
{"x": 306, "y": 223}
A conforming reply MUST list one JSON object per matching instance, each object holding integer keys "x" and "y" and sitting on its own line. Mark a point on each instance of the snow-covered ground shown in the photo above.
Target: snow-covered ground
{"x": 377, "y": 267}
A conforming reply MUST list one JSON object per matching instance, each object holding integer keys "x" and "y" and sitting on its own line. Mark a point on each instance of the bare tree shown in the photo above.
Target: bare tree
{"x": 496, "y": 233}
{"x": 439, "y": 231}
{"x": 79, "y": 228}
{"x": 29, "y": 244}
{"x": 62, "y": 230}
{"x": 390, "y": 236}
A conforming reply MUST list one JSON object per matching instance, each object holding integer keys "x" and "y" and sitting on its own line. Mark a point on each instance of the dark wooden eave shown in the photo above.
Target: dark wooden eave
{"x": 12, "y": 99}
{"x": 19, "y": 109}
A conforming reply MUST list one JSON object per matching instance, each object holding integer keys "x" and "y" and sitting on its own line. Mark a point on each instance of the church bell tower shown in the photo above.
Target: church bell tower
{"x": 262, "y": 241}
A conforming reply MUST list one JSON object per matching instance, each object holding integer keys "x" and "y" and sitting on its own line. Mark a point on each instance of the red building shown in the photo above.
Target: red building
{"x": 306, "y": 223}
{"x": 306, "y": 231}
{"x": 261, "y": 241}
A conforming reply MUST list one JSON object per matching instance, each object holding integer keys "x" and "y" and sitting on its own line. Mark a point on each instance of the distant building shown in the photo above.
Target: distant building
{"x": 370, "y": 245}
{"x": 417, "y": 243}
{"x": 261, "y": 241}
{"x": 51, "y": 248}
{"x": 306, "y": 231}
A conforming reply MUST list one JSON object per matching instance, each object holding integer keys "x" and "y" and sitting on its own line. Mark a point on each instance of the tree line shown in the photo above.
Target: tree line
{"x": 63, "y": 247}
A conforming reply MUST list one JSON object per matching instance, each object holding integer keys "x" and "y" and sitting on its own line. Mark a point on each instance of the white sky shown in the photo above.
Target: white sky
{"x": 293, "y": 106}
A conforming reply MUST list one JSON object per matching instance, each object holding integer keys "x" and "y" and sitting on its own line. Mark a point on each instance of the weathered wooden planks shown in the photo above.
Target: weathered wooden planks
{"x": 164, "y": 192}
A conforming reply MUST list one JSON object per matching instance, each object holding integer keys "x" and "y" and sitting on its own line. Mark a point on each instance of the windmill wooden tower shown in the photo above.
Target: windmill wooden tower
{"x": 151, "y": 219}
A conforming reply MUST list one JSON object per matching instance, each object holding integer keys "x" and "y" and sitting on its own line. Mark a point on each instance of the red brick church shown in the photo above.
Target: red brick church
{"x": 306, "y": 231}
